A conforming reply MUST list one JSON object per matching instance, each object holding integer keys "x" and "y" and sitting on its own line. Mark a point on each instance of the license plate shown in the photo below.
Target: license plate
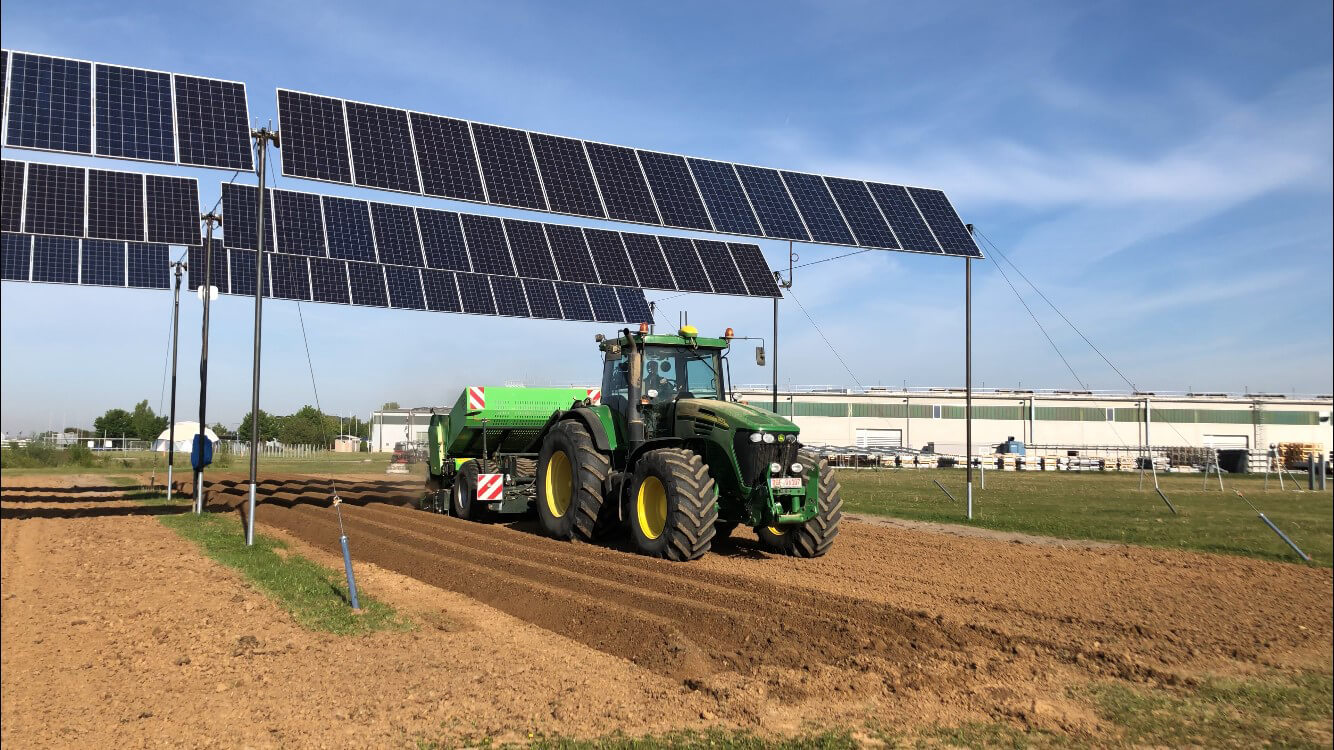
{"x": 785, "y": 483}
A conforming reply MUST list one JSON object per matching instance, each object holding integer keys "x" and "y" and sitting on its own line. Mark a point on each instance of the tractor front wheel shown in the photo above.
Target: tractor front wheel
{"x": 816, "y": 536}
{"x": 673, "y": 507}
{"x": 570, "y": 476}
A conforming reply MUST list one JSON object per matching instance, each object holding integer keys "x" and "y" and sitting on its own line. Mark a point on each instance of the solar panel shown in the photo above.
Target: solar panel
{"x": 405, "y": 287}
{"x": 647, "y": 259}
{"x": 634, "y": 305}
{"x": 574, "y": 301}
{"x": 298, "y": 223}
{"x": 239, "y": 206}
{"x": 944, "y": 222}
{"x": 288, "y": 276}
{"x": 818, "y": 208}
{"x": 508, "y": 167}
{"x": 149, "y": 265}
{"x": 134, "y": 114}
{"x": 452, "y": 158}
{"x": 221, "y": 270}
{"x": 528, "y": 245}
{"x": 613, "y": 266}
{"x": 567, "y": 176}
{"x": 11, "y": 196}
{"x": 382, "y": 154}
{"x": 606, "y": 308}
{"x": 17, "y": 256}
{"x": 115, "y": 205}
{"x": 624, "y": 190}
{"x": 396, "y": 237}
{"x": 242, "y": 266}
{"x": 50, "y": 104}
{"x": 54, "y": 203}
{"x": 367, "y": 283}
{"x": 674, "y": 191}
{"x": 347, "y": 223}
{"x": 863, "y": 217}
{"x": 55, "y": 260}
{"x": 685, "y": 264}
{"x": 442, "y": 239}
{"x": 328, "y": 281}
{"x": 212, "y": 123}
{"x": 754, "y": 270}
{"x": 314, "y": 137}
{"x": 510, "y": 299}
{"x": 722, "y": 193}
{"x": 442, "y": 294}
{"x": 486, "y": 245}
{"x": 542, "y": 300}
{"x": 571, "y": 253}
{"x": 446, "y": 157}
{"x": 475, "y": 293}
{"x": 172, "y": 209}
{"x": 718, "y": 265}
{"x": 903, "y": 217}
{"x": 102, "y": 263}
{"x": 773, "y": 206}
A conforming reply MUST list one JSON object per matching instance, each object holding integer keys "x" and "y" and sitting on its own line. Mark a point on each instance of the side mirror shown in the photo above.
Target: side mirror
{"x": 759, "y": 356}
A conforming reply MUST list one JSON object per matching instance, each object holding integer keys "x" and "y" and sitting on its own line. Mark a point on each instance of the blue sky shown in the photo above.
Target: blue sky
{"x": 1161, "y": 171}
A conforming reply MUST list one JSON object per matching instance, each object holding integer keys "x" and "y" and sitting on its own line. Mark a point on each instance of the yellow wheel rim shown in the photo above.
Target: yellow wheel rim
{"x": 559, "y": 484}
{"x": 651, "y": 506}
{"x": 777, "y": 530}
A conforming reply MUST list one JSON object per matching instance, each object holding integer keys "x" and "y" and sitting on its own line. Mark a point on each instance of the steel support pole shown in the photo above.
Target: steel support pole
{"x": 262, "y": 137}
{"x": 207, "y": 286}
{"x": 775, "y": 358}
{"x": 968, "y": 373}
{"x": 175, "y": 339}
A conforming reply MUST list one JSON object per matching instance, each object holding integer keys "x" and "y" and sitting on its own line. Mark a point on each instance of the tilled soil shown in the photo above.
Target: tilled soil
{"x": 900, "y": 627}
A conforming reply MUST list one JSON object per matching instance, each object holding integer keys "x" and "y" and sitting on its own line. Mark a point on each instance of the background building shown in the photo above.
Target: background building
{"x": 919, "y": 418}
{"x": 391, "y": 426}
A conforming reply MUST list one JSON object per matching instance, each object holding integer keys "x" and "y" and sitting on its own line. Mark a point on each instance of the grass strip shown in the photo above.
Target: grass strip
{"x": 316, "y": 596}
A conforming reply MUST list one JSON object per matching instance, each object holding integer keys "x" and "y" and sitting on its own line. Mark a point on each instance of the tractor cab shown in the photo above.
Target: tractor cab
{"x": 660, "y": 371}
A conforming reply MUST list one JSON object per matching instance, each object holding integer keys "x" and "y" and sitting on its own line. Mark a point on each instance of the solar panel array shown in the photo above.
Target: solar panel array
{"x": 404, "y": 236}
{"x": 351, "y": 282}
{"x": 52, "y": 199}
{"x": 87, "y": 262}
{"x": 74, "y": 106}
{"x": 342, "y": 141}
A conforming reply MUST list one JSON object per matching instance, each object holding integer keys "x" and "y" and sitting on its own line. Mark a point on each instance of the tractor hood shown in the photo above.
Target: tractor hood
{"x": 733, "y": 415}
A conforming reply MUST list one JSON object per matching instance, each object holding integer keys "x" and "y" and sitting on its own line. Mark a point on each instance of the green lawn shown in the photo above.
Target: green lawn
{"x": 127, "y": 463}
{"x": 1107, "y": 506}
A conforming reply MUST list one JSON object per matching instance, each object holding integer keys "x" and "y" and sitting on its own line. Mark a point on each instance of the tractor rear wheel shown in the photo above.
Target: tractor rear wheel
{"x": 571, "y": 472}
{"x": 673, "y": 506}
{"x": 816, "y": 536}
{"x": 463, "y": 496}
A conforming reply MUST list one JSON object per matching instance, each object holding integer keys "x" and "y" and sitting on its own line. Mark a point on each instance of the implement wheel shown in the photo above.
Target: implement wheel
{"x": 816, "y": 536}
{"x": 463, "y": 497}
{"x": 673, "y": 508}
{"x": 570, "y": 476}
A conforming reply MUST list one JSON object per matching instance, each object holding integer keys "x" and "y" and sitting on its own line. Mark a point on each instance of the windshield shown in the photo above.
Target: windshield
{"x": 682, "y": 372}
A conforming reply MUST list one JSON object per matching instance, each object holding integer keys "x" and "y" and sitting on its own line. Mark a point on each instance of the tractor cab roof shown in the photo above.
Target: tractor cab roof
{"x": 687, "y": 336}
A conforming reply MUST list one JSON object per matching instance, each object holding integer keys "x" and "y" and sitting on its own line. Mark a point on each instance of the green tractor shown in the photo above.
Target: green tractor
{"x": 660, "y": 451}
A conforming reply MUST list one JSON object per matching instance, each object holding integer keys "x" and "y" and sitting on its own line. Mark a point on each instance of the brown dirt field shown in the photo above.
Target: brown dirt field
{"x": 904, "y": 627}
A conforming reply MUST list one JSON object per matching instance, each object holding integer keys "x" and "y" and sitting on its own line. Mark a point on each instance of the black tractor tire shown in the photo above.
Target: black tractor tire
{"x": 673, "y": 508}
{"x": 571, "y": 474}
{"x": 816, "y": 536}
{"x": 463, "y": 496}
{"x": 723, "y": 529}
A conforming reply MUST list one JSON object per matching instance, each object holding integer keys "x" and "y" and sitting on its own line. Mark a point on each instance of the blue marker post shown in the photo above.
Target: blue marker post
{"x": 347, "y": 557}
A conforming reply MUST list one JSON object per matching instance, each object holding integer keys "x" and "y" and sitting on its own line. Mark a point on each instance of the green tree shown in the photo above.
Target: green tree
{"x": 389, "y": 406}
{"x": 268, "y": 427}
{"x": 114, "y": 423}
{"x": 146, "y": 425}
{"x": 308, "y": 427}
{"x": 221, "y": 431}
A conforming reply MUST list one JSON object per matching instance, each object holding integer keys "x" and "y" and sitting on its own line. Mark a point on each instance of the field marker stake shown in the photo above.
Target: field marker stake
{"x": 1276, "y": 530}
{"x": 942, "y": 489}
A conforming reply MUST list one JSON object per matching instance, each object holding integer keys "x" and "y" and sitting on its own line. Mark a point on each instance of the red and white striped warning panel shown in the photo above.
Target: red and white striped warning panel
{"x": 595, "y": 395}
{"x": 476, "y": 398}
{"x": 490, "y": 487}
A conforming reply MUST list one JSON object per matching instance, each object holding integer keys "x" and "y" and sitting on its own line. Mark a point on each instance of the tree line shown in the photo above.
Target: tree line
{"x": 308, "y": 426}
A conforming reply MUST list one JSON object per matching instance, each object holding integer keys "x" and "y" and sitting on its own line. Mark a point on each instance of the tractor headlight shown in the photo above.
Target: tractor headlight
{"x": 798, "y": 468}
{"x": 775, "y": 468}
{"x": 756, "y": 437}
{"x": 768, "y": 437}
